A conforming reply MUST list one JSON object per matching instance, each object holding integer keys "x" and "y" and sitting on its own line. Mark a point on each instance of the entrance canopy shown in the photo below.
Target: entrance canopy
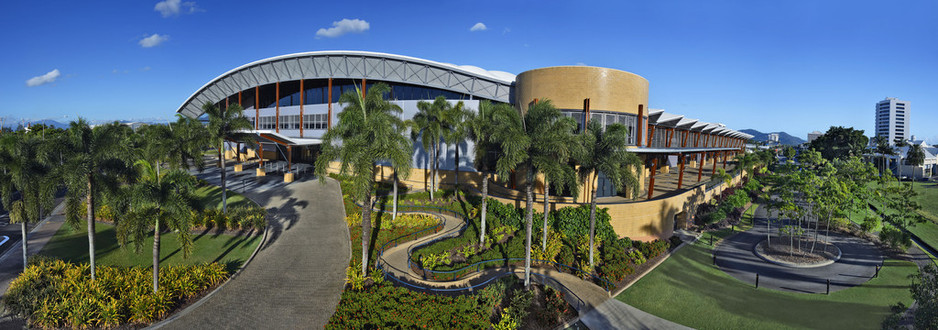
{"x": 269, "y": 136}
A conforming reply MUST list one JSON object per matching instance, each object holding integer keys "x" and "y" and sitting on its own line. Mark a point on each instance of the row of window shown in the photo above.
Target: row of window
{"x": 320, "y": 94}
{"x": 313, "y": 121}
{"x": 605, "y": 119}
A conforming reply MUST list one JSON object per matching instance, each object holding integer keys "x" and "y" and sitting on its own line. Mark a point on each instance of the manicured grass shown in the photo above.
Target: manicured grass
{"x": 71, "y": 244}
{"x": 928, "y": 198}
{"x": 689, "y": 290}
{"x": 210, "y": 197}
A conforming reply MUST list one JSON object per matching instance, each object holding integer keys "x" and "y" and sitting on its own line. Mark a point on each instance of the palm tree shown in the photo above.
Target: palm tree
{"x": 158, "y": 199}
{"x": 883, "y": 148}
{"x": 189, "y": 137}
{"x": 552, "y": 152}
{"x": 915, "y": 157}
{"x": 605, "y": 153}
{"x": 431, "y": 124}
{"x": 95, "y": 165}
{"x": 899, "y": 144}
{"x": 25, "y": 169}
{"x": 369, "y": 131}
{"x": 458, "y": 131}
{"x": 483, "y": 127}
{"x": 225, "y": 125}
{"x": 525, "y": 142}
{"x": 399, "y": 152}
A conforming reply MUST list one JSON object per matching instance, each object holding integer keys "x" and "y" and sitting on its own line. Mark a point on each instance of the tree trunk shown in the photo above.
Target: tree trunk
{"x": 827, "y": 231}
{"x": 91, "y": 233}
{"x": 24, "y": 239}
{"x": 156, "y": 255}
{"x": 592, "y": 221}
{"x": 456, "y": 177}
{"x": 768, "y": 229}
{"x": 224, "y": 184}
{"x": 433, "y": 152}
{"x": 529, "y": 219}
{"x": 485, "y": 197}
{"x": 546, "y": 210}
{"x": 394, "y": 211}
{"x": 366, "y": 229}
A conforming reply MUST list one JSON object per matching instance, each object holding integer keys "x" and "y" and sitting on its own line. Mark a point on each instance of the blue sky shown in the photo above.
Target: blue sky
{"x": 795, "y": 66}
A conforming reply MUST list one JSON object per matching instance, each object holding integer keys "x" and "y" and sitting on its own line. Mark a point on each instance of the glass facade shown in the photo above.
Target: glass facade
{"x": 315, "y": 121}
{"x": 317, "y": 92}
{"x": 606, "y": 119}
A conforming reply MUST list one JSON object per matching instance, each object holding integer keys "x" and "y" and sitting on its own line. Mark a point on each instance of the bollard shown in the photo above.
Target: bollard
{"x": 757, "y": 280}
{"x": 828, "y": 286}
{"x": 877, "y": 271}
{"x": 711, "y": 240}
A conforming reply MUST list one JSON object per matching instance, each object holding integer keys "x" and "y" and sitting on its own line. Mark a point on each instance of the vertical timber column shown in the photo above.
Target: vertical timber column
{"x": 669, "y": 133}
{"x": 700, "y": 167}
{"x": 638, "y": 127}
{"x": 302, "y": 100}
{"x": 651, "y": 134}
{"x": 680, "y": 177}
{"x": 714, "y": 159}
{"x": 257, "y": 107}
{"x": 363, "y": 87}
{"x": 684, "y": 139}
{"x": 696, "y": 139}
{"x": 260, "y": 159}
{"x": 239, "y": 99}
{"x": 651, "y": 181}
{"x": 329, "y": 123}
{"x": 277, "y": 97}
{"x": 725, "y": 153}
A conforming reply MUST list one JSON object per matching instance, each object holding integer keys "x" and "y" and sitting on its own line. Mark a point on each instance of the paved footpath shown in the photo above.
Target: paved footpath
{"x": 596, "y": 308}
{"x": 297, "y": 276}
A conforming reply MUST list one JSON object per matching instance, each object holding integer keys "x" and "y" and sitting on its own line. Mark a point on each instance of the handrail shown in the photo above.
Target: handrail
{"x": 608, "y": 285}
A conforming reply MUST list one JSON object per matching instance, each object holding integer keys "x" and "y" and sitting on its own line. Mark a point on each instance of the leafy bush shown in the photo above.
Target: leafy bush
{"x": 501, "y": 214}
{"x": 614, "y": 266}
{"x": 384, "y": 218}
{"x": 895, "y": 238}
{"x": 716, "y": 216}
{"x": 652, "y": 249}
{"x": 245, "y": 218}
{"x": 56, "y": 294}
{"x": 870, "y": 224}
{"x": 574, "y": 222}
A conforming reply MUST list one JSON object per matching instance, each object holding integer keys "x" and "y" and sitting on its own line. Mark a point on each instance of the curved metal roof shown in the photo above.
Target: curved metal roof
{"x": 491, "y": 85}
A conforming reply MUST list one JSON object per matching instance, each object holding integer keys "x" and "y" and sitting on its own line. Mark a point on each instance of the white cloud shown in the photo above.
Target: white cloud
{"x": 169, "y": 8}
{"x": 153, "y": 40}
{"x": 342, "y": 27}
{"x": 580, "y": 64}
{"x": 43, "y": 79}
{"x": 478, "y": 27}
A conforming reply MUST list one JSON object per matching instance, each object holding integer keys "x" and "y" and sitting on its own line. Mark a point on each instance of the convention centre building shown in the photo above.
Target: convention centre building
{"x": 293, "y": 99}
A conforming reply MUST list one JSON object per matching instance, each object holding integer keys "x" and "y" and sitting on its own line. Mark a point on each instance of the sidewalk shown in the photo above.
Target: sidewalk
{"x": 11, "y": 262}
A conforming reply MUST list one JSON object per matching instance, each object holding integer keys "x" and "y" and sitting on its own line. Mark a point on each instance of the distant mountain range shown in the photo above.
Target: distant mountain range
{"x": 783, "y": 138}
{"x": 13, "y": 123}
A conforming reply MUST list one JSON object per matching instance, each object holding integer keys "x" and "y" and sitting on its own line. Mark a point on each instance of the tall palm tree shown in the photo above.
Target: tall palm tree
{"x": 552, "y": 152}
{"x": 399, "y": 151}
{"x": 158, "y": 200}
{"x": 915, "y": 157}
{"x": 225, "y": 125}
{"x": 525, "y": 141}
{"x": 369, "y": 130}
{"x": 605, "y": 153}
{"x": 25, "y": 169}
{"x": 900, "y": 143}
{"x": 883, "y": 148}
{"x": 483, "y": 127}
{"x": 458, "y": 131}
{"x": 431, "y": 125}
{"x": 189, "y": 137}
{"x": 95, "y": 166}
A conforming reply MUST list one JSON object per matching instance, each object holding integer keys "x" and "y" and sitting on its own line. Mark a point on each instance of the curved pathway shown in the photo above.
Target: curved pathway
{"x": 597, "y": 310}
{"x": 856, "y": 266}
{"x": 297, "y": 276}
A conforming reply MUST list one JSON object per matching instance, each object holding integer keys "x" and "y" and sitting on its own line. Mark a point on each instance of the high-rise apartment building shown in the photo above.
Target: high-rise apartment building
{"x": 892, "y": 119}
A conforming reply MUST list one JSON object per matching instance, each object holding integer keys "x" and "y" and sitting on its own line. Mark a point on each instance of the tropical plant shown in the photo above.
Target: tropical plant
{"x": 483, "y": 127}
{"x": 24, "y": 160}
{"x": 368, "y": 131}
{"x": 431, "y": 125}
{"x": 883, "y": 148}
{"x": 158, "y": 200}
{"x": 95, "y": 167}
{"x": 225, "y": 125}
{"x": 605, "y": 153}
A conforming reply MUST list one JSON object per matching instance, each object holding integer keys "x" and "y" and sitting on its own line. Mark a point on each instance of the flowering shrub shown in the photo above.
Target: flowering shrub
{"x": 56, "y": 294}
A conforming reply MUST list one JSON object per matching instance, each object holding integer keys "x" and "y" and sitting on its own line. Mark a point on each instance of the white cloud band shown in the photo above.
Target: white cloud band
{"x": 43, "y": 79}
{"x": 153, "y": 40}
{"x": 343, "y": 27}
{"x": 478, "y": 27}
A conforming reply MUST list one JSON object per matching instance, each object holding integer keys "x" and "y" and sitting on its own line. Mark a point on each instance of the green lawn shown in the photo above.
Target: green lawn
{"x": 689, "y": 290}
{"x": 210, "y": 196}
{"x": 71, "y": 244}
{"x": 928, "y": 198}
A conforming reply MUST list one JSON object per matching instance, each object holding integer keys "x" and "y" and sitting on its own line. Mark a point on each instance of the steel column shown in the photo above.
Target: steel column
{"x": 329, "y": 123}
{"x": 277, "y": 98}
{"x": 302, "y": 99}
{"x": 257, "y": 106}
